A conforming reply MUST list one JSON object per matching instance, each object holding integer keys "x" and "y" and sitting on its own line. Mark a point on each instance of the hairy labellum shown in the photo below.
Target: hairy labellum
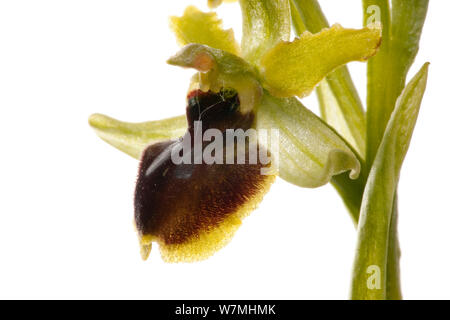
{"x": 192, "y": 206}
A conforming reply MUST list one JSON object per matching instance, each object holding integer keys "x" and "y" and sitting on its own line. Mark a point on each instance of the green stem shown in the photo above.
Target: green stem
{"x": 376, "y": 273}
{"x": 387, "y": 71}
{"x": 351, "y": 192}
{"x": 386, "y": 78}
{"x": 337, "y": 96}
{"x": 380, "y": 75}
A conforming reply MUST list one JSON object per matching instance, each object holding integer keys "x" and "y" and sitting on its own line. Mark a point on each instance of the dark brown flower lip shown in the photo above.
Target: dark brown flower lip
{"x": 190, "y": 209}
{"x": 219, "y": 110}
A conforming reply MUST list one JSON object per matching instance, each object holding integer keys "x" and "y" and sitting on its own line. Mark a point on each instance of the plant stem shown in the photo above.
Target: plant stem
{"x": 386, "y": 79}
{"x": 351, "y": 192}
{"x": 386, "y": 74}
{"x": 376, "y": 273}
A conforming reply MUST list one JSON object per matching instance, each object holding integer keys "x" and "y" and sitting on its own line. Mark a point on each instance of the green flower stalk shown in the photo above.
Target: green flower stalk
{"x": 193, "y": 208}
{"x": 386, "y": 79}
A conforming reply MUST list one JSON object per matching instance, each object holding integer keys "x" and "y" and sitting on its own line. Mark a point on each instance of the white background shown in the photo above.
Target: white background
{"x": 66, "y": 197}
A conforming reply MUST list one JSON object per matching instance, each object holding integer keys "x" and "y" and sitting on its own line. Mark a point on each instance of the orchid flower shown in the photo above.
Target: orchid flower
{"x": 191, "y": 205}
{"x": 192, "y": 210}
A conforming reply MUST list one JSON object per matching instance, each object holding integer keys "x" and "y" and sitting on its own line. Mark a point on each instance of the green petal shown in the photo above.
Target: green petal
{"x": 329, "y": 110}
{"x": 379, "y": 195}
{"x": 196, "y": 26}
{"x": 133, "y": 138}
{"x": 264, "y": 24}
{"x": 341, "y": 107}
{"x": 339, "y": 101}
{"x": 295, "y": 68}
{"x": 310, "y": 152}
{"x": 220, "y": 69}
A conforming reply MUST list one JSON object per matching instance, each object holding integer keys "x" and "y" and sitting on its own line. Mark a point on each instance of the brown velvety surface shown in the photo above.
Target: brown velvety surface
{"x": 175, "y": 203}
